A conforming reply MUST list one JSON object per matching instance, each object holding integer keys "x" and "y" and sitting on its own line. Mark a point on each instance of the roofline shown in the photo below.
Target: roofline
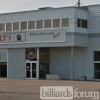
{"x": 36, "y": 10}
{"x": 94, "y": 5}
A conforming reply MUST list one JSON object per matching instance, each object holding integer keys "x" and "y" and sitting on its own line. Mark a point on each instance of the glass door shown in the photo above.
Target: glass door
{"x": 31, "y": 70}
{"x": 28, "y": 70}
{"x": 34, "y": 70}
{"x": 43, "y": 70}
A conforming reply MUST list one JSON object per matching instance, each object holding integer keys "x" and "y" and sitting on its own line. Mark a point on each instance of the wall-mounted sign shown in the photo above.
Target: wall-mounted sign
{"x": 14, "y": 37}
{"x": 40, "y": 36}
{"x": 31, "y": 56}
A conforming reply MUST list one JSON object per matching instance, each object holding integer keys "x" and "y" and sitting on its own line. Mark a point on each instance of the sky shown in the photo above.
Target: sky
{"x": 7, "y": 6}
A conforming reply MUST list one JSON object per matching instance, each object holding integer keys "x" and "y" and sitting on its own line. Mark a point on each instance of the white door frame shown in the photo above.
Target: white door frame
{"x": 31, "y": 62}
{"x": 37, "y": 66}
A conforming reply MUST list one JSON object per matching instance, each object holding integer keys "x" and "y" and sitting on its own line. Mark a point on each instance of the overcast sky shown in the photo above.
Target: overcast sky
{"x": 23, "y": 5}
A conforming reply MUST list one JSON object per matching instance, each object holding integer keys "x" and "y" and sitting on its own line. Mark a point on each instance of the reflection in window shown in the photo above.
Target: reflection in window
{"x": 31, "y": 54}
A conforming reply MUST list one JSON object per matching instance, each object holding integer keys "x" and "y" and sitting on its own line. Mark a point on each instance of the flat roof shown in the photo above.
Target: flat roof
{"x": 83, "y": 7}
{"x": 36, "y": 10}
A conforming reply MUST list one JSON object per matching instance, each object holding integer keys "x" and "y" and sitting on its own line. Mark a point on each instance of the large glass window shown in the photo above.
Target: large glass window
{"x": 39, "y": 24}
{"x": 47, "y": 24}
{"x": 82, "y": 23}
{"x": 31, "y": 54}
{"x": 78, "y": 23}
{"x": 56, "y": 23}
{"x": 97, "y": 65}
{"x": 96, "y": 55}
{"x": 23, "y": 25}
{"x": 2, "y": 27}
{"x": 65, "y": 22}
{"x": 16, "y": 26}
{"x": 31, "y": 25}
{"x": 8, "y": 27}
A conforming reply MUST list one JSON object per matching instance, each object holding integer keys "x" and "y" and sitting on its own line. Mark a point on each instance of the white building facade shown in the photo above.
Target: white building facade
{"x": 61, "y": 41}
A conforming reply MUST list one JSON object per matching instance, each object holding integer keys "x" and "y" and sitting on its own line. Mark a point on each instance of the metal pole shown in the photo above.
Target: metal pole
{"x": 37, "y": 63}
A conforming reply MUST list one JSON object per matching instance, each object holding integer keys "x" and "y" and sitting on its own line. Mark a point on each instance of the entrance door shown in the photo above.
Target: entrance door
{"x": 3, "y": 70}
{"x": 31, "y": 70}
{"x": 43, "y": 69}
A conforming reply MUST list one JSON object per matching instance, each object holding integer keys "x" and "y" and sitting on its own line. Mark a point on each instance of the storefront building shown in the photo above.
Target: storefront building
{"x": 62, "y": 41}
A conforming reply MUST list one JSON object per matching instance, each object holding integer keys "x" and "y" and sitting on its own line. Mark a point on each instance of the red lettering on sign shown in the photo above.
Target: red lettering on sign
{"x": 1, "y": 38}
{"x": 31, "y": 56}
{"x": 9, "y": 38}
{"x": 4, "y": 37}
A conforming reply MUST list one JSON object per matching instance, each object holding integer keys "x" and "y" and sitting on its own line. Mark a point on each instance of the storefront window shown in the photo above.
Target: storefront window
{"x": 97, "y": 65}
{"x": 44, "y": 54}
{"x": 31, "y": 54}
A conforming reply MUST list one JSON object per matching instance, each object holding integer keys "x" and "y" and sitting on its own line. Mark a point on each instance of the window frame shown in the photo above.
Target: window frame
{"x": 44, "y": 23}
{"x": 4, "y": 27}
{"x": 59, "y": 23}
{"x": 68, "y": 21}
{"x": 13, "y": 26}
{"x": 94, "y": 65}
{"x": 81, "y": 25}
{"x": 34, "y": 25}
{"x": 26, "y": 26}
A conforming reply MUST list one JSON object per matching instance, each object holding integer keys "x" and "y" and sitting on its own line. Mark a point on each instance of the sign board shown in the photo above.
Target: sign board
{"x": 31, "y": 56}
{"x": 14, "y": 37}
{"x": 39, "y": 36}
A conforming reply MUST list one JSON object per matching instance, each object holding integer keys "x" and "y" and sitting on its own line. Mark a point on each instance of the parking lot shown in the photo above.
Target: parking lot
{"x": 11, "y": 89}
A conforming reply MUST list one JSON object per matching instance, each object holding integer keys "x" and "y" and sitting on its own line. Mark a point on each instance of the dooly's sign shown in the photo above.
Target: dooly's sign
{"x": 14, "y": 37}
{"x": 40, "y": 36}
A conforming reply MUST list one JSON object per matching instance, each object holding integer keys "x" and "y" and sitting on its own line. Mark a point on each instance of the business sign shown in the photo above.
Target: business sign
{"x": 14, "y": 37}
{"x": 40, "y": 36}
{"x": 31, "y": 56}
{"x": 45, "y": 36}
